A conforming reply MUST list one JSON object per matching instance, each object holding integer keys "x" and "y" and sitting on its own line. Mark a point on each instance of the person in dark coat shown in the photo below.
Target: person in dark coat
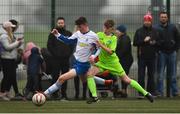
{"x": 124, "y": 53}
{"x": 35, "y": 62}
{"x": 61, "y": 53}
{"x": 47, "y": 60}
{"x": 146, "y": 39}
{"x": 34, "y": 67}
{"x": 169, "y": 44}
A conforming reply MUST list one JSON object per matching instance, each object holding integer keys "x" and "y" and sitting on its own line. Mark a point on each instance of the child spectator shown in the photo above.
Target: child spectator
{"x": 34, "y": 65}
{"x": 27, "y": 51}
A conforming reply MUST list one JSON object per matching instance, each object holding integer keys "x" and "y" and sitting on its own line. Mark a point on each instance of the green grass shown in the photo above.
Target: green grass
{"x": 108, "y": 106}
{"x": 39, "y": 38}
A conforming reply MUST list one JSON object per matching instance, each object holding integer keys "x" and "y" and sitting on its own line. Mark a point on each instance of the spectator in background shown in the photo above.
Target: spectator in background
{"x": 27, "y": 52}
{"x": 145, "y": 40}
{"x": 34, "y": 68}
{"x": 33, "y": 60}
{"x": 8, "y": 57}
{"x": 124, "y": 53}
{"x": 61, "y": 53}
{"x": 25, "y": 59}
{"x": 169, "y": 44}
{"x": 18, "y": 60}
{"x": 47, "y": 59}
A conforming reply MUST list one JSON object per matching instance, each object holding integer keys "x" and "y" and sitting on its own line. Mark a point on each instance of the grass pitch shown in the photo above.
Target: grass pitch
{"x": 105, "y": 106}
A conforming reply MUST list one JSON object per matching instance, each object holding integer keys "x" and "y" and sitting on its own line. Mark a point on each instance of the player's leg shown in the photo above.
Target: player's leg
{"x": 136, "y": 85}
{"x": 90, "y": 80}
{"x": 102, "y": 81}
{"x": 99, "y": 80}
{"x": 91, "y": 83}
{"x": 66, "y": 76}
{"x": 133, "y": 83}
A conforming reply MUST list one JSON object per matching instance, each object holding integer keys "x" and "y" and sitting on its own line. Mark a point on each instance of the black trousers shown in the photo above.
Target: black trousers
{"x": 9, "y": 75}
{"x": 33, "y": 82}
{"x": 126, "y": 64}
{"x": 77, "y": 84}
{"x": 150, "y": 65}
{"x": 126, "y": 69}
{"x": 60, "y": 66}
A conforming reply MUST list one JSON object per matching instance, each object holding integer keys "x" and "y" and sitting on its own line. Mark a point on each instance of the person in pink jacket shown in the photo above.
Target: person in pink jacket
{"x": 27, "y": 51}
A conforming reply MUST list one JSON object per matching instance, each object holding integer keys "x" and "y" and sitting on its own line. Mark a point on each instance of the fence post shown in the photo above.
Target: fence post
{"x": 168, "y": 79}
{"x": 53, "y": 13}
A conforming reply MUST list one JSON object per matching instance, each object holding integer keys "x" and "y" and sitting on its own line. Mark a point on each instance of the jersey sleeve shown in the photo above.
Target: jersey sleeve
{"x": 68, "y": 40}
{"x": 74, "y": 36}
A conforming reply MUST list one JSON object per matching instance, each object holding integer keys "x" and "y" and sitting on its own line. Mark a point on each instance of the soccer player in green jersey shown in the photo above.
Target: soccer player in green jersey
{"x": 108, "y": 60}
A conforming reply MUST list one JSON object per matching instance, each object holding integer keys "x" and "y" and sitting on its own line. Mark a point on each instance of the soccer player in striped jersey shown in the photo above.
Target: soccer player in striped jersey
{"x": 86, "y": 42}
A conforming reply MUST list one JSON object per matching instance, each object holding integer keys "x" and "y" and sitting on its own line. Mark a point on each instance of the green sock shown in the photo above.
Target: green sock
{"x": 136, "y": 85}
{"x": 92, "y": 86}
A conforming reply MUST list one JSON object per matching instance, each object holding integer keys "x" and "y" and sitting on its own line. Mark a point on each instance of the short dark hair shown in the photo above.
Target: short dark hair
{"x": 109, "y": 23}
{"x": 60, "y": 18}
{"x": 81, "y": 20}
{"x": 163, "y": 12}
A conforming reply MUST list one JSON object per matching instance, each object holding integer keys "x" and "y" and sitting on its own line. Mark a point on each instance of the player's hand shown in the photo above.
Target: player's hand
{"x": 92, "y": 59}
{"x": 55, "y": 32}
{"x": 98, "y": 43}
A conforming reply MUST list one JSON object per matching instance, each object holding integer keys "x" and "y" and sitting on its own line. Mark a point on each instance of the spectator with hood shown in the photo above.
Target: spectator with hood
{"x": 124, "y": 53}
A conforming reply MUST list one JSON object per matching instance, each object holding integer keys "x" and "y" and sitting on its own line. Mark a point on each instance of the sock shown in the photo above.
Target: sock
{"x": 99, "y": 80}
{"x": 105, "y": 73}
{"x": 53, "y": 88}
{"x": 108, "y": 82}
{"x": 102, "y": 81}
{"x": 92, "y": 86}
{"x": 136, "y": 85}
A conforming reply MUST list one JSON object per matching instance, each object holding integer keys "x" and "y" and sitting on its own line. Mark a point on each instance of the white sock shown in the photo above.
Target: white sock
{"x": 53, "y": 88}
{"x": 99, "y": 80}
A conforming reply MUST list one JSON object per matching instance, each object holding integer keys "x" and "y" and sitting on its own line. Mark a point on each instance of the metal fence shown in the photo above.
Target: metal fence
{"x": 36, "y": 17}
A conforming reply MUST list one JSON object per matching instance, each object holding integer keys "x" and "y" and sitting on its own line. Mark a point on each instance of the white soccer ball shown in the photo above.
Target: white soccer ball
{"x": 38, "y": 99}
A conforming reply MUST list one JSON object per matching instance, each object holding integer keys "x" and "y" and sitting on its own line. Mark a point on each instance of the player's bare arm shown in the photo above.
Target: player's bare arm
{"x": 104, "y": 47}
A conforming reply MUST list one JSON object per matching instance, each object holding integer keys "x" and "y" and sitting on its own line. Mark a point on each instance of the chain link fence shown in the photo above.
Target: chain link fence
{"x": 36, "y": 15}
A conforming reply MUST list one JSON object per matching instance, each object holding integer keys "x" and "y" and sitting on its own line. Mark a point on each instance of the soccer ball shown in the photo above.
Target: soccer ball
{"x": 38, "y": 99}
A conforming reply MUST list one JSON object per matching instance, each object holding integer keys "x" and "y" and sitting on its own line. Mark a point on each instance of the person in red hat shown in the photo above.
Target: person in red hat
{"x": 145, "y": 40}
